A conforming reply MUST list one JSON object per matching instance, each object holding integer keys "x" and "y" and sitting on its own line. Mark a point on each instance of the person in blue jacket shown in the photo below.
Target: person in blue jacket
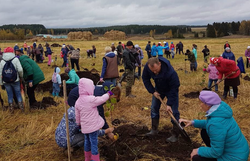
{"x": 148, "y": 49}
{"x": 154, "y": 50}
{"x": 65, "y": 55}
{"x": 228, "y": 54}
{"x": 16, "y": 47}
{"x": 159, "y": 50}
{"x": 34, "y": 45}
{"x": 220, "y": 132}
{"x": 166, "y": 85}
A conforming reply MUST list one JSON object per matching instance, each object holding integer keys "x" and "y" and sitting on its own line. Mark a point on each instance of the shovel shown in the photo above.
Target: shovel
{"x": 178, "y": 125}
{"x": 209, "y": 89}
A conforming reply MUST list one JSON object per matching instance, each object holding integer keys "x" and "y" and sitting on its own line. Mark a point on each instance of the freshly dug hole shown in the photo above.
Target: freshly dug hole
{"x": 246, "y": 78}
{"x": 132, "y": 145}
{"x": 192, "y": 94}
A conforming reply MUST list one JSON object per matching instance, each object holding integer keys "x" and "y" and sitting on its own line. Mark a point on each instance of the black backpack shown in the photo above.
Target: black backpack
{"x": 9, "y": 73}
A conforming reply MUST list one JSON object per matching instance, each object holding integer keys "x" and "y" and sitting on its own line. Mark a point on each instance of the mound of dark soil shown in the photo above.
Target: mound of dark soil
{"x": 246, "y": 78}
{"x": 132, "y": 145}
{"x": 47, "y": 86}
{"x": 192, "y": 94}
{"x": 56, "y": 45}
{"x": 47, "y": 102}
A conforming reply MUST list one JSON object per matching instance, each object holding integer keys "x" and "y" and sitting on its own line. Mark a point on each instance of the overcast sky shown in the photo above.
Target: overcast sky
{"x": 92, "y": 13}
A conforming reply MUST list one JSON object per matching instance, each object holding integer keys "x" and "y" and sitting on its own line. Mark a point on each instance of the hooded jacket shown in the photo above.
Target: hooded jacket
{"x": 73, "y": 77}
{"x": 228, "y": 55}
{"x": 227, "y": 141}
{"x": 148, "y": 48}
{"x": 166, "y": 82}
{"x": 15, "y": 62}
{"x": 31, "y": 71}
{"x": 153, "y": 51}
{"x": 86, "y": 111}
{"x": 213, "y": 72}
{"x": 226, "y": 67}
{"x": 129, "y": 59}
{"x": 56, "y": 78}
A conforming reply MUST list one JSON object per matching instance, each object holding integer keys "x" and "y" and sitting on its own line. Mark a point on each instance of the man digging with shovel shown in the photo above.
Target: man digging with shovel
{"x": 166, "y": 85}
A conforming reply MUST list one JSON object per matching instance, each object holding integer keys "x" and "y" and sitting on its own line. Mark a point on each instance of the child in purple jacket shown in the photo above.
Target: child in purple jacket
{"x": 213, "y": 76}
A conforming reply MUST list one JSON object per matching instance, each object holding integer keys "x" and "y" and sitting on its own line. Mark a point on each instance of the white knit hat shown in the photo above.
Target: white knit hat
{"x": 248, "y": 47}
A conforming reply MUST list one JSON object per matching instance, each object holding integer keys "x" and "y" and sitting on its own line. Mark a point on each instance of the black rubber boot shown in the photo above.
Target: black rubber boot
{"x": 20, "y": 105}
{"x": 154, "y": 129}
{"x": 175, "y": 134}
{"x": 11, "y": 108}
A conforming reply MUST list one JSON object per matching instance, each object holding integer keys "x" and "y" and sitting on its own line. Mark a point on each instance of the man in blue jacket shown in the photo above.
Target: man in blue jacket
{"x": 228, "y": 54}
{"x": 154, "y": 50}
{"x": 166, "y": 85}
{"x": 148, "y": 49}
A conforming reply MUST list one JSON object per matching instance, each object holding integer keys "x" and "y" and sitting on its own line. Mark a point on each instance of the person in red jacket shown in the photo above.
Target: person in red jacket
{"x": 226, "y": 67}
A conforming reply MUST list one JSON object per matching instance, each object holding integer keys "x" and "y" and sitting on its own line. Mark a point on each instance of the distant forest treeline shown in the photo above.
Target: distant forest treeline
{"x": 24, "y": 31}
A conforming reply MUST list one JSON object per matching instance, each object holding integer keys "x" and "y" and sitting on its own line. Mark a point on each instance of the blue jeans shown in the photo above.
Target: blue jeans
{"x": 139, "y": 71}
{"x": 210, "y": 82}
{"x": 112, "y": 80}
{"x": 56, "y": 89}
{"x": 13, "y": 87}
{"x": 91, "y": 142}
{"x": 196, "y": 65}
{"x": 156, "y": 104}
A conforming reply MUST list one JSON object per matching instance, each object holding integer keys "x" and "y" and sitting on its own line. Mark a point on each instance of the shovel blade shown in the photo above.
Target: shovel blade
{"x": 206, "y": 89}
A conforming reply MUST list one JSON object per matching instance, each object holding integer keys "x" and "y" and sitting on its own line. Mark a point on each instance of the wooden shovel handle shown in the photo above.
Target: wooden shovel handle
{"x": 170, "y": 113}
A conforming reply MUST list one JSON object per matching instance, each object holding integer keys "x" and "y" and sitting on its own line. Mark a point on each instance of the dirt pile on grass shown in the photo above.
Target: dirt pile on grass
{"x": 246, "y": 78}
{"x": 132, "y": 145}
{"x": 192, "y": 94}
{"x": 93, "y": 75}
{"x": 85, "y": 36}
{"x": 56, "y": 45}
{"x": 115, "y": 35}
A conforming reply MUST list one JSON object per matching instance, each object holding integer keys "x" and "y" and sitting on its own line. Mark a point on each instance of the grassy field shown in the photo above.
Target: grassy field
{"x": 31, "y": 136}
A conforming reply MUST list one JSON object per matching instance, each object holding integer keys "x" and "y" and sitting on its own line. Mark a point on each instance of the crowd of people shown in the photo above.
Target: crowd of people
{"x": 87, "y": 121}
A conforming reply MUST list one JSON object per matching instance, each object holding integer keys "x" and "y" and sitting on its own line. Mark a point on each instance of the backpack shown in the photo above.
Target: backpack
{"x": 9, "y": 73}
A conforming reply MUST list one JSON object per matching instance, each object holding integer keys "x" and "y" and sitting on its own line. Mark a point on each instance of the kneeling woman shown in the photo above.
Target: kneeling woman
{"x": 220, "y": 132}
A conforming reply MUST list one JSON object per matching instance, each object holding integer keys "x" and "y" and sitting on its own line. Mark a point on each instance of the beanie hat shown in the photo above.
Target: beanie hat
{"x": 209, "y": 98}
{"x": 214, "y": 60}
{"x": 67, "y": 70}
{"x": 130, "y": 43}
{"x": 8, "y": 50}
{"x": 136, "y": 46}
{"x": 227, "y": 48}
{"x": 248, "y": 47}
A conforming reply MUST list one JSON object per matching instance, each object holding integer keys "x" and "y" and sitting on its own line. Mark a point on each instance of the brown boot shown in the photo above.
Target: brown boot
{"x": 11, "y": 108}
{"x": 20, "y": 105}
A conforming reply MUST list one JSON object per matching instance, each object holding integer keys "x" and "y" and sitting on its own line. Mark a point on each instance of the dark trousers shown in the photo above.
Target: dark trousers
{"x": 206, "y": 140}
{"x": 38, "y": 56}
{"x": 180, "y": 50}
{"x": 73, "y": 62}
{"x": 31, "y": 94}
{"x": 64, "y": 63}
{"x": 101, "y": 113}
{"x": 235, "y": 90}
{"x": 247, "y": 63}
{"x": 149, "y": 55}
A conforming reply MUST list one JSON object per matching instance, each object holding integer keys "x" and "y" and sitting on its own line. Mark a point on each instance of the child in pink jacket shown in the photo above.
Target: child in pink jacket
{"x": 213, "y": 76}
{"x": 87, "y": 116}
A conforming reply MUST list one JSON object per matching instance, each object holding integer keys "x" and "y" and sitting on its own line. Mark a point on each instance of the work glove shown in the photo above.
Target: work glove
{"x": 3, "y": 87}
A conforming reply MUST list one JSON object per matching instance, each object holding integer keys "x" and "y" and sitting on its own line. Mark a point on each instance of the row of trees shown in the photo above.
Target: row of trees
{"x": 245, "y": 27}
{"x": 223, "y": 29}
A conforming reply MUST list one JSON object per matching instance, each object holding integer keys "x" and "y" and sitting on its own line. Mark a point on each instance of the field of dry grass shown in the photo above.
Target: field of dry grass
{"x": 31, "y": 136}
